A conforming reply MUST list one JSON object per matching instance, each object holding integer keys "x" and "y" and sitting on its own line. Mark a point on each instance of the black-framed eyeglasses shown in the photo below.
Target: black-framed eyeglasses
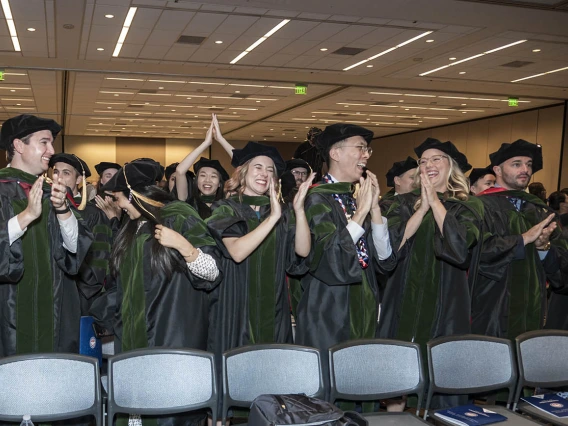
{"x": 364, "y": 149}
{"x": 298, "y": 173}
{"x": 435, "y": 159}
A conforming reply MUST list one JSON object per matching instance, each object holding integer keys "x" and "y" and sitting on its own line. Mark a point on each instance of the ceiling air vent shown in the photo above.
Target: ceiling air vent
{"x": 381, "y": 103}
{"x": 517, "y": 64}
{"x": 348, "y": 51}
{"x": 268, "y": 136}
{"x": 289, "y": 130}
{"x": 340, "y": 115}
{"x": 239, "y": 95}
{"x": 135, "y": 106}
{"x": 216, "y": 109}
{"x": 185, "y": 125}
{"x": 116, "y": 131}
{"x": 142, "y": 91}
{"x": 184, "y": 39}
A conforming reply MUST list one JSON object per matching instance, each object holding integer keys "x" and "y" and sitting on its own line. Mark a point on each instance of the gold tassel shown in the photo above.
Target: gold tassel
{"x": 84, "y": 194}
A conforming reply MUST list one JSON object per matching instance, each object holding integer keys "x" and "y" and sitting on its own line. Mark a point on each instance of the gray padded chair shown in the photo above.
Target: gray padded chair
{"x": 50, "y": 387}
{"x": 543, "y": 362}
{"x": 473, "y": 364}
{"x": 250, "y": 371}
{"x": 161, "y": 381}
{"x": 374, "y": 369}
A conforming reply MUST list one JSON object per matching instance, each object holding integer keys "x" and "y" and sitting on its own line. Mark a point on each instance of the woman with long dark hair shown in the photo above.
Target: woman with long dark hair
{"x": 210, "y": 176}
{"x": 164, "y": 263}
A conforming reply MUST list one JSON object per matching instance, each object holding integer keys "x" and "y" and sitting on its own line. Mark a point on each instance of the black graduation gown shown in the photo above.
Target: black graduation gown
{"x": 40, "y": 301}
{"x": 339, "y": 299}
{"x": 95, "y": 268}
{"x": 251, "y": 306}
{"x": 510, "y": 295}
{"x": 152, "y": 310}
{"x": 428, "y": 295}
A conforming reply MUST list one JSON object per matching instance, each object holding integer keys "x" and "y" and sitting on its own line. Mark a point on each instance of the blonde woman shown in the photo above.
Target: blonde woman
{"x": 436, "y": 230}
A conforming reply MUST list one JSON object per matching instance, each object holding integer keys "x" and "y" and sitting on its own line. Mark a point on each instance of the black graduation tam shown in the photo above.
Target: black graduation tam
{"x": 478, "y": 173}
{"x": 519, "y": 148}
{"x": 214, "y": 164}
{"x": 287, "y": 183}
{"x": 24, "y": 125}
{"x": 399, "y": 168}
{"x": 72, "y": 160}
{"x": 338, "y": 132}
{"x": 170, "y": 170}
{"x": 255, "y": 149}
{"x": 447, "y": 147}
{"x": 137, "y": 174}
{"x": 104, "y": 165}
{"x": 297, "y": 162}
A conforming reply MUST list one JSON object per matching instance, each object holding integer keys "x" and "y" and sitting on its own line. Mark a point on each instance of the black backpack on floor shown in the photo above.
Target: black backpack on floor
{"x": 300, "y": 410}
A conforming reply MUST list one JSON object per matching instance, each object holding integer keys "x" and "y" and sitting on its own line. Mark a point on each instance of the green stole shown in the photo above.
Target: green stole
{"x": 362, "y": 301}
{"x": 261, "y": 276}
{"x": 34, "y": 300}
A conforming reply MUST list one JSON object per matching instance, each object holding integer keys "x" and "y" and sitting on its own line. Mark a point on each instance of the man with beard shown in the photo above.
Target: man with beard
{"x": 300, "y": 169}
{"x": 522, "y": 249}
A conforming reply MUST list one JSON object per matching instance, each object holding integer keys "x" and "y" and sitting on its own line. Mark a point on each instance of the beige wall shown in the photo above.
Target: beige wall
{"x": 477, "y": 139}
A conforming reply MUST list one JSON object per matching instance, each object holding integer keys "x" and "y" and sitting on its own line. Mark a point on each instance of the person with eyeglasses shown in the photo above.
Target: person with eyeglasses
{"x": 300, "y": 169}
{"x": 338, "y": 297}
{"x": 435, "y": 231}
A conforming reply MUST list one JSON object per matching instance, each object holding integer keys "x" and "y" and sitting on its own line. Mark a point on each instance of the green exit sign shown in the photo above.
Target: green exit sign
{"x": 1, "y": 75}
{"x": 301, "y": 89}
{"x": 513, "y": 102}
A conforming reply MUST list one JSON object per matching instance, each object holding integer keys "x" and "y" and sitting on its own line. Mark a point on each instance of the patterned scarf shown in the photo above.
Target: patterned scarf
{"x": 347, "y": 203}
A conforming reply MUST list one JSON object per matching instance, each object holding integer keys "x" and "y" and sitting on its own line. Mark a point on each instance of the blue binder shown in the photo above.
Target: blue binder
{"x": 550, "y": 403}
{"x": 469, "y": 415}
{"x": 88, "y": 343}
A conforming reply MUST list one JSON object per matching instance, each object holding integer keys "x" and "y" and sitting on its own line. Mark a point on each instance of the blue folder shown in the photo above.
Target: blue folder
{"x": 550, "y": 402}
{"x": 470, "y": 415}
{"x": 88, "y": 343}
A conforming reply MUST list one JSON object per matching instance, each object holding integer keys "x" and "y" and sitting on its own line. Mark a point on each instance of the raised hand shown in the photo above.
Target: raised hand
{"x": 427, "y": 187}
{"x": 533, "y": 234}
{"x": 34, "y": 199}
{"x": 209, "y": 135}
{"x": 302, "y": 192}
{"x": 58, "y": 194}
{"x": 375, "y": 189}
{"x": 108, "y": 206}
{"x": 172, "y": 239}
{"x": 216, "y": 128}
{"x": 275, "y": 207}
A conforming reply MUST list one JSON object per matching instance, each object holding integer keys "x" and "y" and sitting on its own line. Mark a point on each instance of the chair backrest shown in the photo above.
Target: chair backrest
{"x": 49, "y": 387}
{"x": 542, "y": 358}
{"x": 161, "y": 381}
{"x": 470, "y": 364}
{"x": 251, "y": 371}
{"x": 365, "y": 370}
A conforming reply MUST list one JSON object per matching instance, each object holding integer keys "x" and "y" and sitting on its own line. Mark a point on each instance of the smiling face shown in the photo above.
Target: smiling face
{"x": 126, "y": 205}
{"x": 68, "y": 175}
{"x": 436, "y": 165}
{"x": 208, "y": 180}
{"x": 261, "y": 171}
{"x": 348, "y": 159}
{"x": 515, "y": 173}
{"x": 404, "y": 183}
{"x": 33, "y": 157}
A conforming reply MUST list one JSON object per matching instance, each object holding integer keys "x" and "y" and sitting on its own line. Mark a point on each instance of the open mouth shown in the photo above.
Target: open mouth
{"x": 432, "y": 174}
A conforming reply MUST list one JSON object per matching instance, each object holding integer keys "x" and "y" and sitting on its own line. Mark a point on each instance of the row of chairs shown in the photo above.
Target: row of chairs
{"x": 162, "y": 381}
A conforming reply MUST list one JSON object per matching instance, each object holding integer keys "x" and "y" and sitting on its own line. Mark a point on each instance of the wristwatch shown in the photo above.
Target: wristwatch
{"x": 63, "y": 210}
{"x": 545, "y": 248}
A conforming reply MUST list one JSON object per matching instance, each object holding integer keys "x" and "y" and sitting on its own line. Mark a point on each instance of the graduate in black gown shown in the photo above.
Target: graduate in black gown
{"x": 436, "y": 231}
{"x": 260, "y": 241}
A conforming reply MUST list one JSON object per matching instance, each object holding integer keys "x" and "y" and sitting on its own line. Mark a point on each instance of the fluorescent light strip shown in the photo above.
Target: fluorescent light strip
{"x": 14, "y": 88}
{"x": 259, "y": 41}
{"x": 245, "y": 85}
{"x": 388, "y": 50}
{"x": 541, "y": 74}
{"x": 246, "y": 109}
{"x": 385, "y": 93}
{"x": 206, "y": 82}
{"x": 124, "y": 32}
{"x": 11, "y": 25}
{"x": 168, "y": 81}
{"x": 472, "y": 57}
{"x": 124, "y": 79}
{"x": 193, "y": 96}
{"x": 347, "y": 103}
{"x": 120, "y": 93}
{"x": 419, "y": 96}
{"x": 154, "y": 94}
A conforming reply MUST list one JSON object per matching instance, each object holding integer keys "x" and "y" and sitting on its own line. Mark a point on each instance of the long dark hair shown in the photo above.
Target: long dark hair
{"x": 163, "y": 259}
{"x": 202, "y": 208}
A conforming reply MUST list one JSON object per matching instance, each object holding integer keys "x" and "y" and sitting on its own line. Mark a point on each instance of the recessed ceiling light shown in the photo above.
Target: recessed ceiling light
{"x": 452, "y": 59}
{"x": 18, "y": 104}
{"x": 271, "y": 129}
{"x": 173, "y": 110}
{"x": 33, "y": 29}
{"x": 295, "y": 137}
{"x": 430, "y": 41}
{"x": 237, "y": 91}
{"x": 257, "y": 101}
{"x": 324, "y": 49}
{"x": 464, "y": 105}
{"x": 536, "y": 50}
{"x": 462, "y": 72}
{"x": 109, "y": 16}
{"x": 161, "y": 87}
{"x": 401, "y": 100}
{"x": 100, "y": 49}
{"x": 219, "y": 42}
{"x": 187, "y": 98}
{"x": 109, "y": 107}
{"x": 369, "y": 66}
{"x": 464, "y": 112}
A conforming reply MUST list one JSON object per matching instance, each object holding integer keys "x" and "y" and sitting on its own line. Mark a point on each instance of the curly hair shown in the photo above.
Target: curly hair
{"x": 457, "y": 185}
{"x": 237, "y": 183}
